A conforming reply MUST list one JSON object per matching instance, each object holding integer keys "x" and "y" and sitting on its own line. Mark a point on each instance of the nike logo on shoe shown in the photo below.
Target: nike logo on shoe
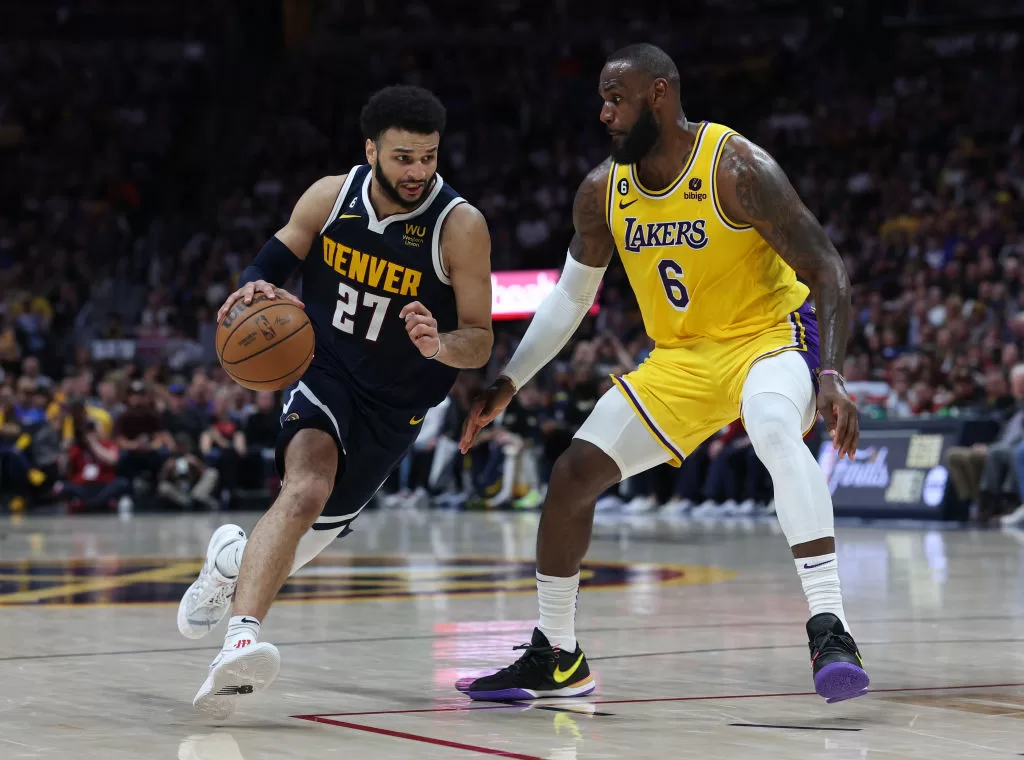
{"x": 561, "y": 676}
{"x": 811, "y": 567}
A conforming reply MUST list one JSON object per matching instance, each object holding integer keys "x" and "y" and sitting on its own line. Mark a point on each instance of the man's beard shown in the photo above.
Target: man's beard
{"x": 392, "y": 192}
{"x": 639, "y": 140}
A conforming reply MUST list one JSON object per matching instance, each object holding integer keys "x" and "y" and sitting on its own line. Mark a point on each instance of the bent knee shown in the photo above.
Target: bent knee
{"x": 305, "y": 495}
{"x": 584, "y": 470}
{"x": 772, "y": 420}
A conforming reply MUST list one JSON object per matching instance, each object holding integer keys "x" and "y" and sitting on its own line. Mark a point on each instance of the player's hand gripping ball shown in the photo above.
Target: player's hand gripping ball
{"x": 264, "y": 339}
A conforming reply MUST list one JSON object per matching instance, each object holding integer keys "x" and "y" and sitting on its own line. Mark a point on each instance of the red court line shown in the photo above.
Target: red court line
{"x": 506, "y": 706}
{"x": 418, "y": 738}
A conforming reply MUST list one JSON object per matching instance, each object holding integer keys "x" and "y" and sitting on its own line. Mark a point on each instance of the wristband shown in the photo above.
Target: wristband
{"x": 275, "y": 263}
{"x": 838, "y": 376}
{"x": 510, "y": 381}
{"x": 438, "y": 351}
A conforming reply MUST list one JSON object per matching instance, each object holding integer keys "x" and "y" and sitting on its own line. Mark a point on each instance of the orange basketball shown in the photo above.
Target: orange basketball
{"x": 265, "y": 345}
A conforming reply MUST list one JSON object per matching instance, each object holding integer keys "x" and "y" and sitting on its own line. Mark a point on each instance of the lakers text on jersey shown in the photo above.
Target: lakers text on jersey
{"x": 714, "y": 297}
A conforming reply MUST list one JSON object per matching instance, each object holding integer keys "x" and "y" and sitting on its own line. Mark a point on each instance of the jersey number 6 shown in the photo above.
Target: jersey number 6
{"x": 348, "y": 302}
{"x": 672, "y": 278}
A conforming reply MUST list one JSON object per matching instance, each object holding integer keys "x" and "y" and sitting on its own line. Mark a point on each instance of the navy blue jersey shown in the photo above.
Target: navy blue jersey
{"x": 359, "y": 274}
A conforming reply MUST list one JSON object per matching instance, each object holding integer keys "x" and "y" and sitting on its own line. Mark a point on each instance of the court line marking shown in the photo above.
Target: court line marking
{"x": 796, "y": 646}
{"x": 793, "y": 728}
{"x": 688, "y": 575}
{"x": 486, "y": 634}
{"x": 419, "y": 738}
{"x": 650, "y": 700}
{"x": 91, "y": 584}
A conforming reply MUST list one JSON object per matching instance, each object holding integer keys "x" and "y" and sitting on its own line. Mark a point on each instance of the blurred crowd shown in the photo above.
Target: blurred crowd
{"x": 140, "y": 184}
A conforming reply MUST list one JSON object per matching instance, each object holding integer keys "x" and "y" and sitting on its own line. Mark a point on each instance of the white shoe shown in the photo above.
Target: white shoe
{"x": 727, "y": 508}
{"x": 745, "y": 508}
{"x": 676, "y": 508}
{"x": 1016, "y": 517}
{"x": 209, "y": 597}
{"x": 639, "y": 505}
{"x": 706, "y": 509}
{"x": 608, "y": 503}
{"x": 235, "y": 673}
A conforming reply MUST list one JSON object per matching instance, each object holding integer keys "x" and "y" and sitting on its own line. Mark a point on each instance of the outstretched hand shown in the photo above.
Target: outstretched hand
{"x": 840, "y": 413}
{"x": 487, "y": 405}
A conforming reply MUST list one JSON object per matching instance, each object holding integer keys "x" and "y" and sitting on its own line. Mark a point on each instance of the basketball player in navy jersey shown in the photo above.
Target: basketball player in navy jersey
{"x": 396, "y": 282}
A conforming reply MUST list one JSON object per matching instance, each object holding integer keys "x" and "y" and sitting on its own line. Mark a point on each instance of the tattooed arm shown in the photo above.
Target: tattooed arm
{"x": 561, "y": 311}
{"x": 592, "y": 244}
{"x": 754, "y": 190}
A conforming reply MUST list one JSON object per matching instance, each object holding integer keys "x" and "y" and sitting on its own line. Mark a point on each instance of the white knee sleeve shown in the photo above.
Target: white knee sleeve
{"x": 778, "y": 405}
{"x": 311, "y": 544}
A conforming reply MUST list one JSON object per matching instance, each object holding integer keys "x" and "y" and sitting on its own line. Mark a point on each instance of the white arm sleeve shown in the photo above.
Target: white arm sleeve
{"x": 557, "y": 318}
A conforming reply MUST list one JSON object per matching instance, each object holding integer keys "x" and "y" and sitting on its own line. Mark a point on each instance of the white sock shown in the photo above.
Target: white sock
{"x": 242, "y": 628}
{"x": 820, "y": 579}
{"x": 311, "y": 544}
{"x": 229, "y": 559}
{"x": 557, "y": 597}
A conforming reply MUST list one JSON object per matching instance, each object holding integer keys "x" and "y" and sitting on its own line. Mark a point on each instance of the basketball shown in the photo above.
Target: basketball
{"x": 265, "y": 345}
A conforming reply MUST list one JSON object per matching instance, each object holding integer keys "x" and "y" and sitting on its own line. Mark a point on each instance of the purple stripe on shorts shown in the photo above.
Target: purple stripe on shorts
{"x": 639, "y": 407}
{"x": 807, "y": 327}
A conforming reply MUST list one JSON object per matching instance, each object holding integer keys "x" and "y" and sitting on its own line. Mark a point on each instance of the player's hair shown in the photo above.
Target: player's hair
{"x": 404, "y": 107}
{"x": 650, "y": 59}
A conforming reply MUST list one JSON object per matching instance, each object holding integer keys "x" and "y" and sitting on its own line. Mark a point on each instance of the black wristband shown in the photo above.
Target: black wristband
{"x": 275, "y": 263}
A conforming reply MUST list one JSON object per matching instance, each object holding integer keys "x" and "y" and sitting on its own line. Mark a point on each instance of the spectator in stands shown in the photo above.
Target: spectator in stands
{"x": 141, "y": 435}
{"x": 261, "y": 429}
{"x": 91, "y": 481}
{"x": 181, "y": 418}
{"x": 415, "y": 469}
{"x": 10, "y": 348}
{"x": 185, "y": 481}
{"x": 984, "y": 473}
{"x": 77, "y": 388}
{"x": 30, "y": 403}
{"x": 223, "y": 443}
{"x": 725, "y": 483}
{"x": 107, "y": 399}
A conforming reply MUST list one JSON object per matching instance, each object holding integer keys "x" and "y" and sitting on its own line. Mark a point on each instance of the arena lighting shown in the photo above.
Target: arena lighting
{"x": 517, "y": 294}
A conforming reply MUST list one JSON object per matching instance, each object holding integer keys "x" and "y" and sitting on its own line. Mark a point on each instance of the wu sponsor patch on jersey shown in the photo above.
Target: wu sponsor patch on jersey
{"x": 414, "y": 234}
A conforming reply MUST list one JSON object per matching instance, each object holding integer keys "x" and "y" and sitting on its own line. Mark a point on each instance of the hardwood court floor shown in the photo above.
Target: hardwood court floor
{"x": 694, "y": 631}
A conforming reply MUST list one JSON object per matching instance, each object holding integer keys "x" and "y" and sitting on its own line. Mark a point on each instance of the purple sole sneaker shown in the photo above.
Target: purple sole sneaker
{"x": 840, "y": 681}
{"x": 579, "y": 689}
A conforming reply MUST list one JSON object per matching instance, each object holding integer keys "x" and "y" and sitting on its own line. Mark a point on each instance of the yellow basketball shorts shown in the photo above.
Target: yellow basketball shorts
{"x": 684, "y": 395}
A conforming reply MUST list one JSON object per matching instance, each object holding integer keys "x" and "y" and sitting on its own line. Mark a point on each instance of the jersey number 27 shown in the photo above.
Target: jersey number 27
{"x": 348, "y": 303}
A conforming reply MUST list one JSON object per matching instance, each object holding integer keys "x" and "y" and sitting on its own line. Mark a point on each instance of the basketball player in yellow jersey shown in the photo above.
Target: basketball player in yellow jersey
{"x": 712, "y": 236}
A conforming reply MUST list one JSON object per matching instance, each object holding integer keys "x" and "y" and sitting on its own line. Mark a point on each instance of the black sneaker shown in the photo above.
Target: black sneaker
{"x": 542, "y": 671}
{"x": 835, "y": 662}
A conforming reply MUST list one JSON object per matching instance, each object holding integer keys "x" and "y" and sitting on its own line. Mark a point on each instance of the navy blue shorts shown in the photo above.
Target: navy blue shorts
{"x": 372, "y": 439}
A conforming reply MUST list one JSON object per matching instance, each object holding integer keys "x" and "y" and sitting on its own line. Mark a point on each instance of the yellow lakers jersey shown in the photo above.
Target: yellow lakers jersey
{"x": 696, "y": 273}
